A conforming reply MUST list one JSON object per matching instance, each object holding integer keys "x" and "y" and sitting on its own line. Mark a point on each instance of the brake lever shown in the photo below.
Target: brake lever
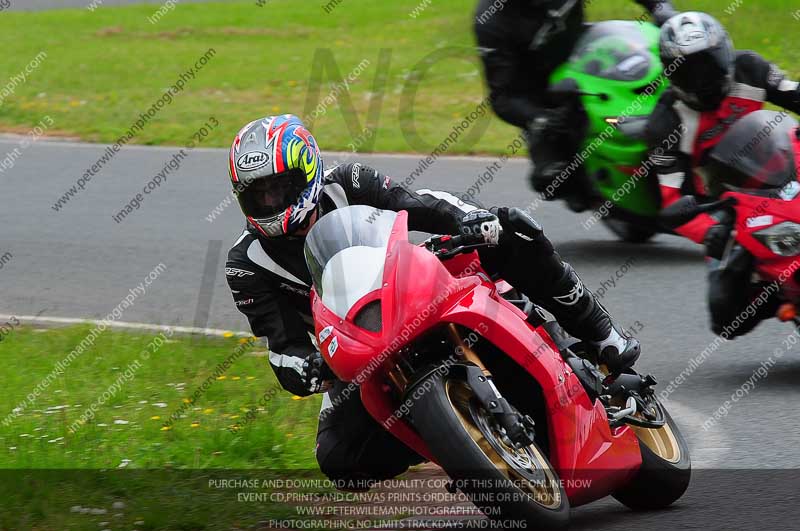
{"x": 460, "y": 249}
{"x": 442, "y": 246}
{"x": 438, "y": 244}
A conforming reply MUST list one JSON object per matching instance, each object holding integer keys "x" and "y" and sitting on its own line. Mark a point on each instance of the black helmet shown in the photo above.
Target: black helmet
{"x": 698, "y": 58}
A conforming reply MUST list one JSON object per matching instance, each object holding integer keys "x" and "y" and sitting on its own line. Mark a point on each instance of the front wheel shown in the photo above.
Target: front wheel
{"x": 628, "y": 232}
{"x": 506, "y": 484}
{"x": 666, "y": 467}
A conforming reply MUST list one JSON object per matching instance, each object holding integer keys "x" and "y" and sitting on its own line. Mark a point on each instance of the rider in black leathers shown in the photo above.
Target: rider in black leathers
{"x": 270, "y": 282}
{"x": 521, "y": 42}
{"x": 713, "y": 86}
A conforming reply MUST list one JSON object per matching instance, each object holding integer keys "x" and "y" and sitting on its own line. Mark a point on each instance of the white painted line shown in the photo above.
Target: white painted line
{"x": 707, "y": 449}
{"x": 55, "y": 142}
{"x": 33, "y": 319}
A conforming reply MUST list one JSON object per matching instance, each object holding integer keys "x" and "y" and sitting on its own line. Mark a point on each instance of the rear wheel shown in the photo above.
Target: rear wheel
{"x": 628, "y": 232}
{"x": 507, "y": 484}
{"x": 666, "y": 467}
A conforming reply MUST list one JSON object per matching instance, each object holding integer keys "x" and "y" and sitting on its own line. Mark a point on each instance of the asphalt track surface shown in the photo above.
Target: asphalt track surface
{"x": 79, "y": 262}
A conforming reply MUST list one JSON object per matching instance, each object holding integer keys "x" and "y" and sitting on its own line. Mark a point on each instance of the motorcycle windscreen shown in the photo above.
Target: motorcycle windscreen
{"x": 345, "y": 252}
{"x": 757, "y": 153}
{"x": 616, "y": 50}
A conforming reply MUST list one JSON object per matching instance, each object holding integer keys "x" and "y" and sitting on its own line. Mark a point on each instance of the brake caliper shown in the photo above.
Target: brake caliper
{"x": 517, "y": 428}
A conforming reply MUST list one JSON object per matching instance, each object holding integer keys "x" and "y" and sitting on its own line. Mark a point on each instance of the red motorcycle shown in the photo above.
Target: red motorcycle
{"x": 451, "y": 363}
{"x": 754, "y": 172}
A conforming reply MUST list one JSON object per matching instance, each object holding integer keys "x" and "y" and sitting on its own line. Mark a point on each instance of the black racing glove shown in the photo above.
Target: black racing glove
{"x": 661, "y": 10}
{"x": 482, "y": 224}
{"x": 516, "y": 222}
{"x": 552, "y": 120}
{"x": 316, "y": 373}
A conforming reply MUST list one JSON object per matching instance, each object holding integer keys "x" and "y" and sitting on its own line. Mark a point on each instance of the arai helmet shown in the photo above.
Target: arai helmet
{"x": 276, "y": 171}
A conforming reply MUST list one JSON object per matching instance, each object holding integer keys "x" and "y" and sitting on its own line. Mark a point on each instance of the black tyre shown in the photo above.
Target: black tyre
{"x": 628, "y": 232}
{"x": 505, "y": 484}
{"x": 666, "y": 468}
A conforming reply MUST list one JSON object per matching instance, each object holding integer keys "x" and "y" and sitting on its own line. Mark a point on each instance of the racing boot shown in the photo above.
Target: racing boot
{"x": 557, "y": 288}
{"x": 582, "y": 316}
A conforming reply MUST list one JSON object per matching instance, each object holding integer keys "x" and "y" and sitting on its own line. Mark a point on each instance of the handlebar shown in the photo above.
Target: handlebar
{"x": 446, "y": 246}
{"x": 717, "y": 205}
{"x": 687, "y": 208}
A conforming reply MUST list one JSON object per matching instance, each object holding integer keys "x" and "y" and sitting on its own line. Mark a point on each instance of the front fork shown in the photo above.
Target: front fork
{"x": 518, "y": 429}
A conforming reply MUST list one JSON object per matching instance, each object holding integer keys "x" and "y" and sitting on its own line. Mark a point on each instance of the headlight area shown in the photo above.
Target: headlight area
{"x": 782, "y": 239}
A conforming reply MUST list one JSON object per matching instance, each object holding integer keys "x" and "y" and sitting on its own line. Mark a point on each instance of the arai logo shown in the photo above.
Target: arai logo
{"x": 252, "y": 160}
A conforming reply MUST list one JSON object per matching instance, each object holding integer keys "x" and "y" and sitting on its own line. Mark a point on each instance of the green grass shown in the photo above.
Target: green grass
{"x": 281, "y": 436}
{"x": 104, "y": 68}
{"x": 45, "y": 470}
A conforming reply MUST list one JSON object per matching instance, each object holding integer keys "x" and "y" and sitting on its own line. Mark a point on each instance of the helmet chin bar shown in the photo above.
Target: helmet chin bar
{"x": 703, "y": 105}
{"x": 265, "y": 226}
{"x": 265, "y": 233}
{"x": 306, "y": 222}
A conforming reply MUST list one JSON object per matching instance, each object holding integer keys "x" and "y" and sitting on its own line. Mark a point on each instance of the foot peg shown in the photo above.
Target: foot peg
{"x": 617, "y": 414}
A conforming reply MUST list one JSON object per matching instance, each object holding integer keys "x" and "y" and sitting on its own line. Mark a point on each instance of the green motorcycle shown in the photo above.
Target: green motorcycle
{"x": 615, "y": 77}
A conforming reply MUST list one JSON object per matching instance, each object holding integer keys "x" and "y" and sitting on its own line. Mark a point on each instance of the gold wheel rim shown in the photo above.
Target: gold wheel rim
{"x": 547, "y": 493}
{"x": 661, "y": 441}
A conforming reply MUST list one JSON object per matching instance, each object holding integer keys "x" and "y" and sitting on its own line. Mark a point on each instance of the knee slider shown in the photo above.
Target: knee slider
{"x": 341, "y": 464}
{"x": 342, "y": 471}
{"x": 332, "y": 458}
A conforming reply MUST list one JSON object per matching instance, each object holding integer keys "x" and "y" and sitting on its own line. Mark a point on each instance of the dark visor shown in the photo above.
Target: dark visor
{"x": 756, "y": 153}
{"x": 266, "y": 196}
{"x": 701, "y": 73}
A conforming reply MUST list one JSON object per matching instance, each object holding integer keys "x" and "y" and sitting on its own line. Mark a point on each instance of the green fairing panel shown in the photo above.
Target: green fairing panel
{"x": 619, "y": 59}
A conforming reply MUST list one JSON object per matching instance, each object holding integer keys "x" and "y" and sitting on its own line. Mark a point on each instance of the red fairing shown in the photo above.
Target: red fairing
{"x": 416, "y": 290}
{"x": 583, "y": 447}
{"x": 755, "y": 213}
{"x": 419, "y": 292}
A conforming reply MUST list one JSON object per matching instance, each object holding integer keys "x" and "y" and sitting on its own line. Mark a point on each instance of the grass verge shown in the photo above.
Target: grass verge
{"x": 104, "y": 68}
{"x": 134, "y": 399}
{"x": 126, "y": 464}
